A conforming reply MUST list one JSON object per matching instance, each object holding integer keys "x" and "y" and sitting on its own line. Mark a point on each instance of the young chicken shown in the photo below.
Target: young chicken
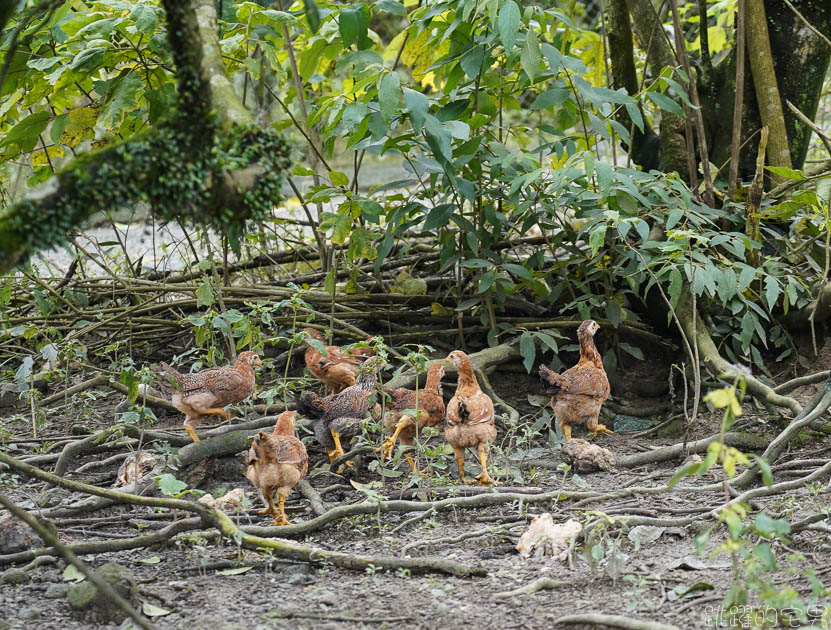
{"x": 277, "y": 462}
{"x": 207, "y": 392}
{"x": 470, "y": 419}
{"x": 337, "y": 369}
{"x": 340, "y": 415}
{"x": 578, "y": 393}
{"x": 428, "y": 403}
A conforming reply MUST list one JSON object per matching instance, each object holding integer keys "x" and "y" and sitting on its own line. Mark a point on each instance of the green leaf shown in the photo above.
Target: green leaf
{"x": 772, "y": 291}
{"x": 123, "y": 97}
{"x": 768, "y": 526}
{"x": 471, "y": 61}
{"x": 391, "y": 6}
{"x": 528, "y": 350}
{"x": 388, "y": 94}
{"x": 88, "y": 60}
{"x": 146, "y": 17}
{"x": 150, "y": 560}
{"x": 767, "y": 473}
{"x": 748, "y": 328}
{"x": 72, "y": 574}
{"x": 553, "y": 55}
{"x": 312, "y": 14}
{"x": 169, "y": 485}
{"x": 25, "y": 133}
{"x": 530, "y": 57}
{"x": 417, "y": 105}
{"x": 205, "y": 294}
{"x": 100, "y": 29}
{"x": 338, "y": 178}
{"x": 42, "y": 63}
{"x": 665, "y": 102}
{"x": 688, "y": 469}
{"x": 787, "y": 173}
{"x": 508, "y": 23}
{"x": 597, "y": 238}
{"x": 154, "y": 611}
{"x": 746, "y": 277}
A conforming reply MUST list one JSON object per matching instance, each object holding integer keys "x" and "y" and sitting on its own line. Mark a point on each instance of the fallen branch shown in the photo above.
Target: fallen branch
{"x": 47, "y": 536}
{"x": 543, "y": 583}
{"x": 449, "y": 540}
{"x": 801, "y": 381}
{"x": 615, "y": 621}
{"x": 677, "y": 451}
{"x": 227, "y": 528}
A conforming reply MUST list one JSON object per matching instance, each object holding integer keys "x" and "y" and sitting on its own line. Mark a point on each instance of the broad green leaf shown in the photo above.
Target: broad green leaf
{"x": 746, "y": 277}
{"x": 122, "y": 98}
{"x": 417, "y": 105}
{"x": 88, "y": 59}
{"x": 43, "y": 63}
{"x": 312, "y": 13}
{"x": 169, "y": 485}
{"x": 597, "y": 238}
{"x": 508, "y": 23}
{"x": 787, "y": 173}
{"x": 768, "y": 526}
{"x": 146, "y": 17}
{"x": 688, "y": 469}
{"x": 553, "y": 56}
{"x": 530, "y": 57}
{"x": 338, "y": 178}
{"x": 205, "y": 294}
{"x": 100, "y": 29}
{"x": 665, "y": 103}
{"x": 25, "y": 133}
{"x": 528, "y": 350}
{"x": 391, "y": 6}
{"x": 471, "y": 61}
{"x": 388, "y": 94}
{"x": 676, "y": 284}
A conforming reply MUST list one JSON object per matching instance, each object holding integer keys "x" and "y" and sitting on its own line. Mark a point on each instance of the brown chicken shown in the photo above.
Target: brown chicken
{"x": 276, "y": 462}
{"x": 340, "y": 415}
{"x": 336, "y": 368}
{"x": 578, "y": 393}
{"x": 207, "y": 392}
{"x": 428, "y": 404}
{"x": 470, "y": 419}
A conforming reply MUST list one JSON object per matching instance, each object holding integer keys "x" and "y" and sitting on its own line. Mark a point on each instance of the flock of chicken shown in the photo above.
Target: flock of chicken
{"x": 277, "y": 461}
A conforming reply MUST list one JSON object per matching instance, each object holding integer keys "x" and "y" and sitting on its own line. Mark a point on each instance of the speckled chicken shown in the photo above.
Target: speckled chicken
{"x": 470, "y": 419}
{"x": 336, "y": 368}
{"x": 578, "y": 393}
{"x": 340, "y": 415}
{"x": 427, "y": 402}
{"x": 276, "y": 462}
{"x": 205, "y": 393}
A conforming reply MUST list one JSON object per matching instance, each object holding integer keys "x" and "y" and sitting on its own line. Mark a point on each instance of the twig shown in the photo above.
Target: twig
{"x": 487, "y": 531}
{"x": 108, "y": 591}
{"x": 543, "y": 583}
{"x": 615, "y": 621}
{"x": 414, "y": 519}
{"x": 285, "y": 614}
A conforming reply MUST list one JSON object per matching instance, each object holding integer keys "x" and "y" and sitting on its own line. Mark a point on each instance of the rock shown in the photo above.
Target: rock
{"x": 28, "y": 613}
{"x": 92, "y": 606}
{"x": 544, "y": 538}
{"x": 406, "y": 284}
{"x": 586, "y": 457}
{"x": 53, "y": 497}
{"x": 215, "y": 622}
{"x": 8, "y": 395}
{"x": 14, "y": 576}
{"x": 328, "y": 598}
{"x": 135, "y": 468}
{"x": 56, "y": 591}
{"x": 16, "y": 536}
{"x": 631, "y": 423}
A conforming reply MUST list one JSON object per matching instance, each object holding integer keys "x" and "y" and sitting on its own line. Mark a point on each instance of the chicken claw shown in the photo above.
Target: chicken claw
{"x": 601, "y": 429}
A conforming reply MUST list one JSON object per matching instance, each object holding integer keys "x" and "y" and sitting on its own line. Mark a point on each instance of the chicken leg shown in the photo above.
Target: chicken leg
{"x": 389, "y": 443}
{"x": 270, "y": 508}
{"x": 280, "y": 518}
{"x": 411, "y": 462}
{"x": 459, "y": 454}
{"x": 338, "y": 449}
{"x": 566, "y": 430}
{"x": 484, "y": 478}
{"x": 595, "y": 428}
{"x": 189, "y": 422}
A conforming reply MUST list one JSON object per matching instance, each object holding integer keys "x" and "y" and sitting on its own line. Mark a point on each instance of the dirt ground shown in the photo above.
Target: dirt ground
{"x": 663, "y": 581}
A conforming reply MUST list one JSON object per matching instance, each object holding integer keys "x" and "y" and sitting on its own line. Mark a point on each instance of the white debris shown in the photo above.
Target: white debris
{"x": 230, "y": 500}
{"x": 545, "y": 538}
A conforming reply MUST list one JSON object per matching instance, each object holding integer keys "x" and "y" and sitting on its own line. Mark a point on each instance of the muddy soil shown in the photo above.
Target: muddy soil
{"x": 663, "y": 581}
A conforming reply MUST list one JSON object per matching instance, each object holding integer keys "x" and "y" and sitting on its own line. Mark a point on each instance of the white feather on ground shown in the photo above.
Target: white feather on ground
{"x": 545, "y": 538}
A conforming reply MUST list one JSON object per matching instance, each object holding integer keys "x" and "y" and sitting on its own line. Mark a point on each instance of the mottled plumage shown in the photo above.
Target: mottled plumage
{"x": 470, "y": 418}
{"x": 341, "y": 414}
{"x": 578, "y": 393}
{"x": 403, "y": 426}
{"x": 336, "y": 368}
{"x": 276, "y": 463}
{"x": 206, "y": 392}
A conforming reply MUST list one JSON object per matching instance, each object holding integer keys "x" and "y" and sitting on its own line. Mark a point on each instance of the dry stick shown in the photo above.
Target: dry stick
{"x": 108, "y": 591}
{"x": 738, "y": 102}
{"x": 110, "y": 546}
{"x": 497, "y": 529}
{"x": 543, "y": 583}
{"x": 95, "y": 381}
{"x": 226, "y": 528}
{"x": 807, "y": 23}
{"x": 824, "y": 137}
{"x": 615, "y": 621}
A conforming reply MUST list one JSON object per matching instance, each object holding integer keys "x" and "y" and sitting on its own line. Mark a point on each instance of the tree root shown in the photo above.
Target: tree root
{"x": 615, "y": 621}
{"x": 543, "y": 583}
{"x": 676, "y": 451}
{"x": 801, "y": 381}
{"x": 315, "y": 500}
{"x": 463, "y": 491}
{"x": 723, "y": 368}
{"x": 281, "y": 548}
{"x": 487, "y": 531}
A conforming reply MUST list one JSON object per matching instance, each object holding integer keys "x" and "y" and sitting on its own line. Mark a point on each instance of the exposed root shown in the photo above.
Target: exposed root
{"x": 614, "y": 621}
{"x": 543, "y": 583}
